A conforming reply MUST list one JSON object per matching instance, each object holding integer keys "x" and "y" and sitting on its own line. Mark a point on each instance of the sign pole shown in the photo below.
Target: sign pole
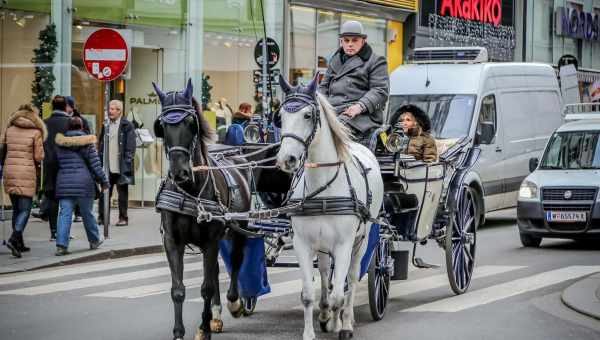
{"x": 106, "y": 193}
{"x": 265, "y": 75}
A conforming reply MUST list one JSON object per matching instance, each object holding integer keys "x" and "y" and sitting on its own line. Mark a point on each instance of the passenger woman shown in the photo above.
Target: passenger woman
{"x": 416, "y": 125}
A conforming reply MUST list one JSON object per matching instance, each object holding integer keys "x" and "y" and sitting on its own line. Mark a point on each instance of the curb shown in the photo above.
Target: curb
{"x": 581, "y": 293}
{"x": 106, "y": 255}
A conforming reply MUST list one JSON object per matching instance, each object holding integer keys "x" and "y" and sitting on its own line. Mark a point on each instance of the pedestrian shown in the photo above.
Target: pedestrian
{"x": 79, "y": 169}
{"x": 57, "y": 123}
{"x": 243, "y": 115}
{"x": 121, "y": 146}
{"x": 356, "y": 82}
{"x": 22, "y": 152}
{"x": 73, "y": 112}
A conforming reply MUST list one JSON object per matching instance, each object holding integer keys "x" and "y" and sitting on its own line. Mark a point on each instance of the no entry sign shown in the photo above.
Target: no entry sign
{"x": 105, "y": 54}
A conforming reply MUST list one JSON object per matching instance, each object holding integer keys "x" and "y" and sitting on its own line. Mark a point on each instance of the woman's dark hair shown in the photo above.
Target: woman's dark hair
{"x": 59, "y": 103}
{"x": 75, "y": 123}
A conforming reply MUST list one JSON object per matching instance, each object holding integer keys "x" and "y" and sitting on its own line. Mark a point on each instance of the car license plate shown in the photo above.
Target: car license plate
{"x": 565, "y": 216}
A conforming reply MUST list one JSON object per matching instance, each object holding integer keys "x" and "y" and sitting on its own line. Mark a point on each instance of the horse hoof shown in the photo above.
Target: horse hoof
{"x": 235, "y": 308}
{"x": 345, "y": 334}
{"x": 216, "y": 326}
{"x": 200, "y": 335}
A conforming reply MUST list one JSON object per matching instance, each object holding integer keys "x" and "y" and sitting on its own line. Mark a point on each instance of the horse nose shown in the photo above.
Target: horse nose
{"x": 183, "y": 175}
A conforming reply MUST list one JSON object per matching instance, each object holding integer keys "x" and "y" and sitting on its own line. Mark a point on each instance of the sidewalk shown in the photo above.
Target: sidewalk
{"x": 584, "y": 296}
{"x": 140, "y": 237}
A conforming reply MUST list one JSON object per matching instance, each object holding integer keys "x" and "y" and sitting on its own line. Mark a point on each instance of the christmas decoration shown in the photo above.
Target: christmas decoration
{"x": 206, "y": 88}
{"x": 43, "y": 84}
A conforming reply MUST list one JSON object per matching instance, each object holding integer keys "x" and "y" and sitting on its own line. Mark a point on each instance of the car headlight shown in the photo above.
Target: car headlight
{"x": 528, "y": 190}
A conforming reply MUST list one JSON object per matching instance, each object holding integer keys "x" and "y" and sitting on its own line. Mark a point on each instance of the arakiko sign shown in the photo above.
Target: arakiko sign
{"x": 485, "y": 11}
{"x": 577, "y": 24}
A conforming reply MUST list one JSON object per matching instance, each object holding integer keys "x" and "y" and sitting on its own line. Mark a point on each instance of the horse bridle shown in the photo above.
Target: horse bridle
{"x": 316, "y": 121}
{"x": 186, "y": 110}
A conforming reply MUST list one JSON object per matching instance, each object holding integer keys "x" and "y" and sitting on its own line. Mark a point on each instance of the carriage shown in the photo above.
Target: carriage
{"x": 416, "y": 202}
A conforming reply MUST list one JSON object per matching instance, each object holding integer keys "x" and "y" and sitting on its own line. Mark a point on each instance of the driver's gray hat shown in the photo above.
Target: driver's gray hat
{"x": 352, "y": 28}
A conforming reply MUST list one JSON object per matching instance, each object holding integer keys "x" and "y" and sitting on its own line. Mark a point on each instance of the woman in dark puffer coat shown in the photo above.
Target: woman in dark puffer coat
{"x": 79, "y": 169}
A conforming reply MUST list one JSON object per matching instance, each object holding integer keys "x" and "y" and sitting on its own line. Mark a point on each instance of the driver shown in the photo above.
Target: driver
{"x": 356, "y": 82}
{"x": 417, "y": 126}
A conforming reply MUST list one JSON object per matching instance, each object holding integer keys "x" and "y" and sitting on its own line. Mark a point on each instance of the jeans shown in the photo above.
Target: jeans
{"x": 21, "y": 208}
{"x": 122, "y": 191}
{"x": 65, "y": 218}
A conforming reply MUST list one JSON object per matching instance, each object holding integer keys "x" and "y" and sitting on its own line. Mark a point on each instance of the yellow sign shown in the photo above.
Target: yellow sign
{"x": 406, "y": 4}
{"x": 211, "y": 118}
{"x": 46, "y": 110}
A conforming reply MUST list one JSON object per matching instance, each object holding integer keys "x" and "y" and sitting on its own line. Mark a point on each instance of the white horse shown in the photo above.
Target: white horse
{"x": 315, "y": 142}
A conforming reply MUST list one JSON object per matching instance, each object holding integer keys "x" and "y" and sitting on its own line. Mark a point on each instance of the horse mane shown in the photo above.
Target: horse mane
{"x": 206, "y": 135}
{"x": 339, "y": 132}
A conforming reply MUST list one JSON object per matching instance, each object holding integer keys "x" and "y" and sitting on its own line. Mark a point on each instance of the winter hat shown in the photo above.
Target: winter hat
{"x": 420, "y": 115}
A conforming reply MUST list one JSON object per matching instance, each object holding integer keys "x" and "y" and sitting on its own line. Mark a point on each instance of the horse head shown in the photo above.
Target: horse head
{"x": 300, "y": 119}
{"x": 179, "y": 124}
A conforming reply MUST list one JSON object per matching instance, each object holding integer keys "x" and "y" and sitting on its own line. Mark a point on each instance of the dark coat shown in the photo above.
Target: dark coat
{"x": 57, "y": 123}
{"x": 79, "y": 167}
{"x": 86, "y": 124}
{"x": 362, "y": 78}
{"x": 127, "y": 144}
{"x": 423, "y": 147}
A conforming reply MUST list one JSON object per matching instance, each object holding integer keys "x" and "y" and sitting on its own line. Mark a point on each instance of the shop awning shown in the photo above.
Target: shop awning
{"x": 396, "y": 10}
{"x": 586, "y": 76}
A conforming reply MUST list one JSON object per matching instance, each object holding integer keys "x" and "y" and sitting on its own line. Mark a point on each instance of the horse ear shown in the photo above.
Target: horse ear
{"x": 312, "y": 86}
{"x": 285, "y": 86}
{"x": 159, "y": 92}
{"x": 189, "y": 89}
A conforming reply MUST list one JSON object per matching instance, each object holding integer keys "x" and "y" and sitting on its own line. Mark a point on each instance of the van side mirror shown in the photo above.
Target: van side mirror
{"x": 533, "y": 164}
{"x": 487, "y": 132}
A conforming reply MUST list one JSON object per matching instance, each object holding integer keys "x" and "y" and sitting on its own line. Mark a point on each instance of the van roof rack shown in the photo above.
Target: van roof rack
{"x": 581, "y": 111}
{"x": 449, "y": 55}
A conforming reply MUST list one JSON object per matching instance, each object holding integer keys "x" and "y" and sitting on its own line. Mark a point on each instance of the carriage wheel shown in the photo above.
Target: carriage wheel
{"x": 461, "y": 237}
{"x": 379, "y": 281}
{"x": 249, "y": 305}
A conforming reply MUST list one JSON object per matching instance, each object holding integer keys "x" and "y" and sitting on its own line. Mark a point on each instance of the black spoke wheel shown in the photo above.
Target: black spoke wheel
{"x": 249, "y": 305}
{"x": 461, "y": 240}
{"x": 379, "y": 280}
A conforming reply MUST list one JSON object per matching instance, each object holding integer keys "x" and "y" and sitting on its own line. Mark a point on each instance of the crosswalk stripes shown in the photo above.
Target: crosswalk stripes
{"x": 505, "y": 290}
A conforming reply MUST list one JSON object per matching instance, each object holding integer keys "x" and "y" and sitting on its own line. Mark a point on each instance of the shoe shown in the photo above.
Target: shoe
{"x": 52, "y": 237}
{"x": 96, "y": 245}
{"x": 22, "y": 248}
{"x": 39, "y": 215}
{"x": 77, "y": 219}
{"x": 61, "y": 251}
{"x": 122, "y": 223}
{"x": 14, "y": 248}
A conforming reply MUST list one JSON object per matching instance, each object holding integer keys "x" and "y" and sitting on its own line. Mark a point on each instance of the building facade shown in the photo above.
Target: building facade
{"x": 211, "y": 41}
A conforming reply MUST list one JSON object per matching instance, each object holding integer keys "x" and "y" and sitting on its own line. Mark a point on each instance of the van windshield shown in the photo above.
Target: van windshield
{"x": 450, "y": 114}
{"x": 573, "y": 150}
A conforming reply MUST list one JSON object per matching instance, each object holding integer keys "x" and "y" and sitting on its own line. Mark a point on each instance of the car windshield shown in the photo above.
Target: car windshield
{"x": 573, "y": 150}
{"x": 450, "y": 114}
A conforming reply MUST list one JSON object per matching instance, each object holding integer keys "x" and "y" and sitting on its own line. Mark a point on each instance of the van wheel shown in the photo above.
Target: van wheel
{"x": 530, "y": 240}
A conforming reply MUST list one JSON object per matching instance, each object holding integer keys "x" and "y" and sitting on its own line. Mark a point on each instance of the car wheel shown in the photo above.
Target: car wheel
{"x": 530, "y": 240}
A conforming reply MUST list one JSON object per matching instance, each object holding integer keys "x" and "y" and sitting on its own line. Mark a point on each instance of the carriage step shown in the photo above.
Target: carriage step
{"x": 419, "y": 263}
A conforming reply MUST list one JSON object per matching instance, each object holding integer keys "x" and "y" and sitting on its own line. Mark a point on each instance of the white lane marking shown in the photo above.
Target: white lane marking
{"x": 97, "y": 281}
{"x": 165, "y": 287}
{"x": 505, "y": 290}
{"x": 83, "y": 269}
{"x": 405, "y": 288}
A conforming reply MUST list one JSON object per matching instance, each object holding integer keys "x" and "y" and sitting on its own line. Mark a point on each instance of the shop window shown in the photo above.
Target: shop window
{"x": 328, "y": 29}
{"x": 302, "y": 44}
{"x": 543, "y": 30}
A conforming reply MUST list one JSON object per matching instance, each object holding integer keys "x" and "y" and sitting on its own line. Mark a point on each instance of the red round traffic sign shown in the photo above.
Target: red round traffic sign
{"x": 105, "y": 54}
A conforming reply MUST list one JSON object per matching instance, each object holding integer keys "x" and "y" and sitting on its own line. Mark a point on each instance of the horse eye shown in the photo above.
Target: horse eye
{"x": 307, "y": 115}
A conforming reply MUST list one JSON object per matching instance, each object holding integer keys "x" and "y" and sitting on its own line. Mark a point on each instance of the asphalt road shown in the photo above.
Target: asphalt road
{"x": 515, "y": 295}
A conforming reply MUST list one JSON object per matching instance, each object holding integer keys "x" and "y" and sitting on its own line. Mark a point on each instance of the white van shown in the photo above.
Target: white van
{"x": 511, "y": 109}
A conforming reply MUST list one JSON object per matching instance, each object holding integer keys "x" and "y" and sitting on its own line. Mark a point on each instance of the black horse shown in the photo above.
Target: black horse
{"x": 186, "y": 133}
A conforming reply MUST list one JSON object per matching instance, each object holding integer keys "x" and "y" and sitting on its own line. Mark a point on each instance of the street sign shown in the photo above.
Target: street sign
{"x": 105, "y": 54}
{"x": 272, "y": 51}
{"x": 273, "y": 76}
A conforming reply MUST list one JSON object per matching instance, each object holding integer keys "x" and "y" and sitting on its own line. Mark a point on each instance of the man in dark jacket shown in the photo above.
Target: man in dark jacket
{"x": 356, "y": 82}
{"x": 58, "y": 122}
{"x": 122, "y": 143}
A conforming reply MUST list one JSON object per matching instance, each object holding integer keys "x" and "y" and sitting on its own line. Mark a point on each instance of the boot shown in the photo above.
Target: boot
{"x": 22, "y": 247}
{"x": 13, "y": 245}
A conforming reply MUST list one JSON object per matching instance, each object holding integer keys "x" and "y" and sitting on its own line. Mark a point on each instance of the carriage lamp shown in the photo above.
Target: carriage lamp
{"x": 528, "y": 190}
{"x": 252, "y": 133}
{"x": 396, "y": 142}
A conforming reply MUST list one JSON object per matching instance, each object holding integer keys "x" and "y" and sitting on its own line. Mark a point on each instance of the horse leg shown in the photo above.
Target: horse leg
{"x": 209, "y": 287}
{"x": 175, "y": 257}
{"x": 216, "y": 324}
{"x": 341, "y": 260}
{"x": 324, "y": 308}
{"x": 234, "y": 304}
{"x": 348, "y": 310}
{"x": 305, "y": 255}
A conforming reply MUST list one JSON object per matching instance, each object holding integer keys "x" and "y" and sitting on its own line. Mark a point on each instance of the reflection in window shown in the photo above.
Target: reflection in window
{"x": 328, "y": 28}
{"x": 302, "y": 44}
